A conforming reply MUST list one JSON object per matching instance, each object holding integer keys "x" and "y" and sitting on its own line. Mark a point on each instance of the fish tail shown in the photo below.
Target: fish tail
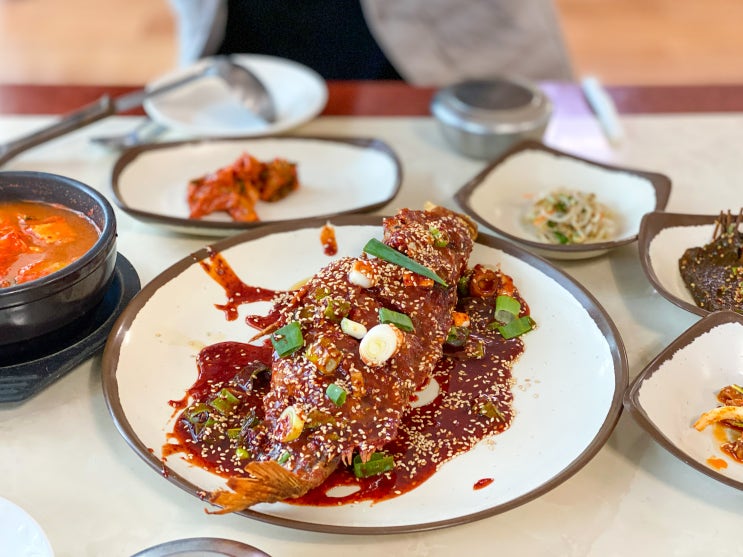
{"x": 266, "y": 482}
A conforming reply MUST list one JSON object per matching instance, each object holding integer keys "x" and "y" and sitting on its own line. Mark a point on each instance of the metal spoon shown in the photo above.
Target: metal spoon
{"x": 145, "y": 131}
{"x": 239, "y": 79}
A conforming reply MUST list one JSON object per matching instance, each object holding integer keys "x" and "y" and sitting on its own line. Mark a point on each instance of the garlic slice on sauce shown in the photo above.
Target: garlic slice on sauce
{"x": 362, "y": 274}
{"x": 353, "y": 328}
{"x": 380, "y": 344}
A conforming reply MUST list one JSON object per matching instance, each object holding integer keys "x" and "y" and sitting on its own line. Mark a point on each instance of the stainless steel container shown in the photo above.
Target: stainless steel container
{"x": 482, "y": 118}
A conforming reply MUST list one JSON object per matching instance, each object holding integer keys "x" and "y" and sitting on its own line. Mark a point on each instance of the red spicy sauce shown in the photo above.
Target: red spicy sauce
{"x": 328, "y": 241}
{"x": 483, "y": 483}
{"x": 428, "y": 436}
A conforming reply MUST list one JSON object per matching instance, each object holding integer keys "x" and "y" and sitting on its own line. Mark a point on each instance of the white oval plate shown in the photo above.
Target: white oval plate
{"x": 503, "y": 192}
{"x": 664, "y": 237}
{"x": 680, "y": 384}
{"x": 206, "y": 107}
{"x": 336, "y": 175}
{"x": 568, "y": 394}
{"x": 21, "y": 535}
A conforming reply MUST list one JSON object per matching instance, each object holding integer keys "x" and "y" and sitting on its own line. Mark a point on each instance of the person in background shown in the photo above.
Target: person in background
{"x": 424, "y": 42}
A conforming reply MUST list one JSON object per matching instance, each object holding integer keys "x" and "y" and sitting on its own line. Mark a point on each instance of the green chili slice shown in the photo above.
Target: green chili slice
{"x": 336, "y": 393}
{"x": 400, "y": 320}
{"x": 383, "y": 251}
{"x": 378, "y": 463}
{"x": 287, "y": 339}
{"x": 517, "y": 327}
{"x": 457, "y": 336}
{"x": 199, "y": 418}
{"x": 225, "y": 401}
{"x": 242, "y": 453}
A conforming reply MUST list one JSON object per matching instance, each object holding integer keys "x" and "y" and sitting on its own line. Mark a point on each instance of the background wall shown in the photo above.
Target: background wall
{"x": 132, "y": 41}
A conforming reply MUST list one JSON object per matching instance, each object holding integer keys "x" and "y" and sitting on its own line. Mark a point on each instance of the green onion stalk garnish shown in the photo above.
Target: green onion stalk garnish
{"x": 378, "y": 463}
{"x": 383, "y": 251}
{"x": 400, "y": 320}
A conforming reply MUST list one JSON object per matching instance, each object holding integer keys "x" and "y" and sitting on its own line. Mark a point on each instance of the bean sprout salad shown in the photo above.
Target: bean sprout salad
{"x": 565, "y": 216}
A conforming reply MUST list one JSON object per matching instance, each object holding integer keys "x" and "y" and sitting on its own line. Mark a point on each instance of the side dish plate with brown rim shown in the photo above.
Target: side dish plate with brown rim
{"x": 664, "y": 237}
{"x": 336, "y": 175}
{"x": 680, "y": 384}
{"x": 568, "y": 389}
{"x": 500, "y": 196}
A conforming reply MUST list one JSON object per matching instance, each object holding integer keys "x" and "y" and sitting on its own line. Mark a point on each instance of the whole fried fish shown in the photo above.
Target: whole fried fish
{"x": 371, "y": 332}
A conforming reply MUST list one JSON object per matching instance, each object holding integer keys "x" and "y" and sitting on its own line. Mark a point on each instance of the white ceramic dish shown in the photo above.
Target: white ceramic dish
{"x": 680, "y": 384}
{"x": 570, "y": 381}
{"x": 664, "y": 237}
{"x": 337, "y": 175}
{"x": 206, "y": 107}
{"x": 20, "y": 534}
{"x": 201, "y": 547}
{"x": 500, "y": 196}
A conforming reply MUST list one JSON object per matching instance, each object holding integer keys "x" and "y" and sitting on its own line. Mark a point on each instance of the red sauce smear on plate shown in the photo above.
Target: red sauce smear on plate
{"x": 483, "y": 483}
{"x": 328, "y": 241}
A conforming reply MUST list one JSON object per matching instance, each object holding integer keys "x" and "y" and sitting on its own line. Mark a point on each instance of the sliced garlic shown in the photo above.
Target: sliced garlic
{"x": 380, "y": 344}
{"x": 289, "y": 425}
{"x": 353, "y": 328}
{"x": 362, "y": 274}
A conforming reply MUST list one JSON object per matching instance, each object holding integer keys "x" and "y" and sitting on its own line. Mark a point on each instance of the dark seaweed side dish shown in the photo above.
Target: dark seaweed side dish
{"x": 714, "y": 273}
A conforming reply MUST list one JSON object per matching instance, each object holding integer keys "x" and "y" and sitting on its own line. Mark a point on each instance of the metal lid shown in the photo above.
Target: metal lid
{"x": 499, "y": 105}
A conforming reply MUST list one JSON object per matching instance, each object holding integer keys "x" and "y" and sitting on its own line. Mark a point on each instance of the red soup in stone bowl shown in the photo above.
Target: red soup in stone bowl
{"x": 57, "y": 252}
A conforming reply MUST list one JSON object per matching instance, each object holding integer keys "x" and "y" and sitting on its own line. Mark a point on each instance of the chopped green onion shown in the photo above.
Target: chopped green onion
{"x": 242, "y": 453}
{"x": 287, "y": 339}
{"x": 336, "y": 309}
{"x": 383, "y": 251}
{"x": 561, "y": 238}
{"x": 322, "y": 292}
{"x": 485, "y": 407}
{"x": 463, "y": 284}
{"x": 517, "y": 327}
{"x": 457, "y": 336}
{"x": 506, "y": 308}
{"x": 234, "y": 432}
{"x": 736, "y": 423}
{"x": 225, "y": 401}
{"x": 283, "y": 457}
{"x": 439, "y": 239}
{"x": 400, "y": 320}
{"x": 475, "y": 350}
{"x": 336, "y": 393}
{"x": 290, "y": 424}
{"x": 507, "y": 303}
{"x": 378, "y": 463}
{"x": 737, "y": 388}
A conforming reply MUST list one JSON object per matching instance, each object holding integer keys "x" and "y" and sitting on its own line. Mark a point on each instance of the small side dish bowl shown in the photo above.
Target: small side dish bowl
{"x": 664, "y": 237}
{"x": 681, "y": 384}
{"x": 501, "y": 195}
{"x": 483, "y": 118}
{"x": 31, "y": 309}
